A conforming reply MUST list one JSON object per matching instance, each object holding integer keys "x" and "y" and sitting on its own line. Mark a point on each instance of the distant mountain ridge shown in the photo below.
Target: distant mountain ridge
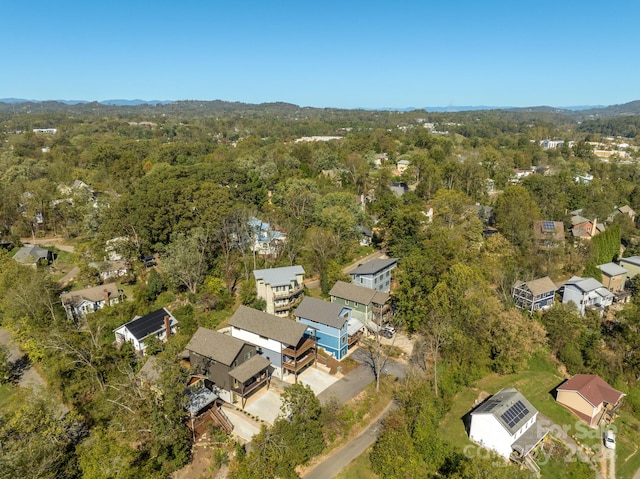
{"x": 584, "y": 111}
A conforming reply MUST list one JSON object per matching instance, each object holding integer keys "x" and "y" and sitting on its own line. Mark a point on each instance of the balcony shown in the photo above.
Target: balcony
{"x": 303, "y": 346}
{"x": 288, "y": 305}
{"x": 354, "y": 338}
{"x": 297, "y": 366}
{"x": 292, "y": 291}
{"x": 245, "y": 390}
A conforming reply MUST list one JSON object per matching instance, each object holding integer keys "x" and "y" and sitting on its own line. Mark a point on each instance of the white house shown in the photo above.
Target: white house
{"x": 281, "y": 288}
{"x": 159, "y": 323}
{"x": 282, "y": 341}
{"x": 81, "y": 302}
{"x": 587, "y": 293}
{"x": 506, "y": 424}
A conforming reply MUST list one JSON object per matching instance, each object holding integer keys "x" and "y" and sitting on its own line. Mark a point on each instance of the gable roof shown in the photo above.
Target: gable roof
{"x": 93, "y": 294}
{"x": 584, "y": 284}
{"x": 510, "y": 408}
{"x": 612, "y": 269}
{"x": 142, "y": 326}
{"x": 249, "y": 368}
{"x": 31, "y": 254}
{"x": 322, "y": 312}
{"x": 215, "y": 345}
{"x": 375, "y": 265}
{"x": 264, "y": 324}
{"x": 541, "y": 285}
{"x": 358, "y": 294}
{"x": 548, "y": 229}
{"x": 593, "y": 389}
{"x": 627, "y": 210}
{"x": 278, "y": 276}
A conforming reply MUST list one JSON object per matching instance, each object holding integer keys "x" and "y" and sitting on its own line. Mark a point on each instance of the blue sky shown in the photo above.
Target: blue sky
{"x": 343, "y": 54}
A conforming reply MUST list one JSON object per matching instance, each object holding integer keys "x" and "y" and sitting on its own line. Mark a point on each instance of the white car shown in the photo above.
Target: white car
{"x": 609, "y": 439}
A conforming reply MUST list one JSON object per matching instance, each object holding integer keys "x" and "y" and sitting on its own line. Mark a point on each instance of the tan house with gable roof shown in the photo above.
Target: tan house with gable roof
{"x": 589, "y": 398}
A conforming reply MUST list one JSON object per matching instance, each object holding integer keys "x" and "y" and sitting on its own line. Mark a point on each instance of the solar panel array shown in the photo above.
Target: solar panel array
{"x": 488, "y": 405}
{"x": 548, "y": 226}
{"x": 515, "y": 413}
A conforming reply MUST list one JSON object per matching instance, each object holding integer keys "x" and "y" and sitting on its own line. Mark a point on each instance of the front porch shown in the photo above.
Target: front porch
{"x": 249, "y": 377}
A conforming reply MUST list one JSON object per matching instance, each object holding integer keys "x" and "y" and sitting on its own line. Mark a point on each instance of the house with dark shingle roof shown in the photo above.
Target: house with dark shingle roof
{"x": 159, "y": 323}
{"x": 536, "y": 295}
{"x": 506, "y": 424}
{"x": 590, "y": 398}
{"x": 548, "y": 234}
{"x": 374, "y": 274}
{"x": 234, "y": 367}
{"x": 284, "y": 342}
{"x": 367, "y": 305}
{"x": 81, "y": 302}
{"x": 328, "y": 322}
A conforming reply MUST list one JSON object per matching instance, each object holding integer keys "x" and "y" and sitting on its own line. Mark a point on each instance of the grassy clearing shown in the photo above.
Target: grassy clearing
{"x": 537, "y": 384}
{"x": 359, "y": 468}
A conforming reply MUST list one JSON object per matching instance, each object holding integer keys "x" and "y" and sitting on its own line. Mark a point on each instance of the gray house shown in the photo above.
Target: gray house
{"x": 33, "y": 255}
{"x": 374, "y": 274}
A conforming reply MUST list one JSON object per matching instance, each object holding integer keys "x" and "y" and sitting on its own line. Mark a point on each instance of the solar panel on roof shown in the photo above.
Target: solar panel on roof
{"x": 514, "y": 414}
{"x": 548, "y": 226}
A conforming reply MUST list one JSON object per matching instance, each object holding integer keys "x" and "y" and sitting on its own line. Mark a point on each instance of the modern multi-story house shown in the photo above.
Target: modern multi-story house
{"x": 329, "y": 322}
{"x": 587, "y": 293}
{"x": 375, "y": 274}
{"x": 284, "y": 342}
{"x": 81, "y": 302}
{"x": 159, "y": 323}
{"x": 281, "y": 288}
{"x": 234, "y": 367}
{"x": 536, "y": 295}
{"x": 367, "y": 305}
{"x": 614, "y": 277}
{"x": 506, "y": 424}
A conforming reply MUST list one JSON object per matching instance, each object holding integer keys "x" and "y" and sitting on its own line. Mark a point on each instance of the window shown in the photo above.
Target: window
{"x": 248, "y": 355}
{"x": 344, "y": 339}
{"x": 346, "y": 301}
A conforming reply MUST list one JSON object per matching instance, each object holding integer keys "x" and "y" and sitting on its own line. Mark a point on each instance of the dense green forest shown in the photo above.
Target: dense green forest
{"x": 180, "y": 182}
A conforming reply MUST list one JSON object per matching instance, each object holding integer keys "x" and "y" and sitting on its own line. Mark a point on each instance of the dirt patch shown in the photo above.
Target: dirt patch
{"x": 201, "y": 466}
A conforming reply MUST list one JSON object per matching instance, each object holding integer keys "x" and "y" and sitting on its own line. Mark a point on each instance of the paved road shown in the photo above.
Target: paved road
{"x": 341, "y": 458}
{"x": 56, "y": 241}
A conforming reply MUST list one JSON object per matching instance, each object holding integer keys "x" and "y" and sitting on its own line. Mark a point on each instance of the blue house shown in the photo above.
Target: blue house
{"x": 328, "y": 322}
{"x": 375, "y": 274}
{"x": 536, "y": 295}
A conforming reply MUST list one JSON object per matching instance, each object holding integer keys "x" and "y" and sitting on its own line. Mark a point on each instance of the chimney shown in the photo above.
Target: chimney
{"x": 593, "y": 228}
{"x": 106, "y": 297}
{"x": 167, "y": 326}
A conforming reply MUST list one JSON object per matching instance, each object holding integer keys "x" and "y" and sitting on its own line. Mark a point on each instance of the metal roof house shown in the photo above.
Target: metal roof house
{"x": 281, "y": 288}
{"x": 586, "y": 293}
{"x": 159, "y": 323}
{"x": 506, "y": 424}
{"x": 614, "y": 277}
{"x": 632, "y": 265}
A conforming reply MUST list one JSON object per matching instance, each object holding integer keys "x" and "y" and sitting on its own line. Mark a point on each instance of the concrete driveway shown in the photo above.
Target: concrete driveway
{"x": 317, "y": 379}
{"x": 265, "y": 405}
{"x": 243, "y": 426}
